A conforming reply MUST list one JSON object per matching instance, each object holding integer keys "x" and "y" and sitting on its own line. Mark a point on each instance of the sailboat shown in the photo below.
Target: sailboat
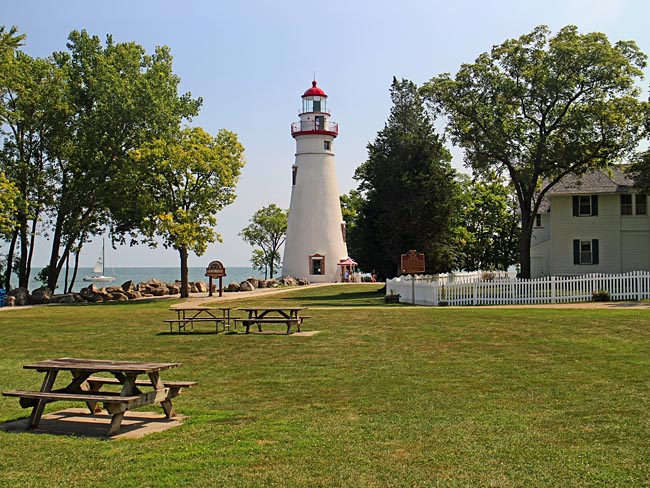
{"x": 98, "y": 271}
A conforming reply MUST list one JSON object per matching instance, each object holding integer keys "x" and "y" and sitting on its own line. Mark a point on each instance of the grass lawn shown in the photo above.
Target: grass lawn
{"x": 383, "y": 396}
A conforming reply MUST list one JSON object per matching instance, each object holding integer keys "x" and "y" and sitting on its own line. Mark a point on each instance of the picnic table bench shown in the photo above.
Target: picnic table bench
{"x": 290, "y": 316}
{"x": 189, "y": 316}
{"x": 85, "y": 387}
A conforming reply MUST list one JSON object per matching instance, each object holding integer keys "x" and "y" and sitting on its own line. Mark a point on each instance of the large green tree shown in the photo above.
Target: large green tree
{"x": 34, "y": 115}
{"x": 491, "y": 222}
{"x": 540, "y": 107}
{"x": 267, "y": 231}
{"x": 119, "y": 98}
{"x": 408, "y": 188}
{"x": 193, "y": 177}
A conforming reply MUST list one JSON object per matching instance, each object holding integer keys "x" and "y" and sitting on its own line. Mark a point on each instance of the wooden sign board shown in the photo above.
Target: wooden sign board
{"x": 215, "y": 270}
{"x": 413, "y": 263}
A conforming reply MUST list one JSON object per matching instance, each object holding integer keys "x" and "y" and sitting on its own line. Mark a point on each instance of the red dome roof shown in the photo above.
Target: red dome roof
{"x": 314, "y": 91}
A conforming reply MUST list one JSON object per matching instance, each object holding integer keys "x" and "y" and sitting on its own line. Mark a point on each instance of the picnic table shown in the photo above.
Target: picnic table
{"x": 189, "y": 316}
{"x": 290, "y": 316}
{"x": 86, "y": 388}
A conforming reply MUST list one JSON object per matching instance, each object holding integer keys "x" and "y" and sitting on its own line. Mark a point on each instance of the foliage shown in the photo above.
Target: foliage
{"x": 268, "y": 231}
{"x": 351, "y": 204}
{"x": 73, "y": 119}
{"x": 492, "y": 224}
{"x": 409, "y": 190}
{"x": 380, "y": 397}
{"x": 8, "y": 197}
{"x": 541, "y": 107}
{"x": 193, "y": 176}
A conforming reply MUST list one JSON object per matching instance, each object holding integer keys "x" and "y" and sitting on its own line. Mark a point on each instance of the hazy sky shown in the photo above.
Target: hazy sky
{"x": 251, "y": 61}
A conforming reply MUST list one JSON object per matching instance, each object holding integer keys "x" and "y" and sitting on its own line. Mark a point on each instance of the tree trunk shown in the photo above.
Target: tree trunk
{"x": 10, "y": 260}
{"x": 185, "y": 285}
{"x": 524, "y": 248}
{"x": 52, "y": 272}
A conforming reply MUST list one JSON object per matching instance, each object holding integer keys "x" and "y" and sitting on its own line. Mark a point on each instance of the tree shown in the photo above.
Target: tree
{"x": 268, "y": 231}
{"x": 72, "y": 121}
{"x": 193, "y": 177}
{"x": 492, "y": 222}
{"x": 34, "y": 114}
{"x": 541, "y": 107}
{"x": 351, "y": 204}
{"x": 408, "y": 189}
{"x": 9, "y": 195}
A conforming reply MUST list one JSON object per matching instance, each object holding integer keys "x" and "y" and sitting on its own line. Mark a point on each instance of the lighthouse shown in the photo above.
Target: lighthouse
{"x": 315, "y": 241}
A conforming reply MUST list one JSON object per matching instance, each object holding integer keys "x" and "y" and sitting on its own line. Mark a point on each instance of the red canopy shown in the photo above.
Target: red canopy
{"x": 347, "y": 262}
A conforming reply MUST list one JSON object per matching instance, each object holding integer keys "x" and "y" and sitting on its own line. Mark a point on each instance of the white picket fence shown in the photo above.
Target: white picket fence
{"x": 483, "y": 289}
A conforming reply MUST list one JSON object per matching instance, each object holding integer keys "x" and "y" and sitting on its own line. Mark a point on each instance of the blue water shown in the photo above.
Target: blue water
{"x": 166, "y": 275}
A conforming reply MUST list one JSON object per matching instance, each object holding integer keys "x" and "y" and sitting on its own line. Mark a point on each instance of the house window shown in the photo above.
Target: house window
{"x": 327, "y": 145}
{"x": 585, "y": 205}
{"x": 538, "y": 220}
{"x": 317, "y": 264}
{"x": 585, "y": 251}
{"x": 626, "y": 204}
{"x": 641, "y": 204}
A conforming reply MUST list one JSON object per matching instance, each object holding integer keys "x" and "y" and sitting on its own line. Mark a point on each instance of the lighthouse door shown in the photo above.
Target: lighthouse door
{"x": 320, "y": 122}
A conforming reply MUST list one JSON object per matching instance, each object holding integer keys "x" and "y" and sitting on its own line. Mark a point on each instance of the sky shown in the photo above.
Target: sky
{"x": 251, "y": 60}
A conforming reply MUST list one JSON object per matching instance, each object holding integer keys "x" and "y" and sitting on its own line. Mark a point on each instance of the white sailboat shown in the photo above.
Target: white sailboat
{"x": 98, "y": 271}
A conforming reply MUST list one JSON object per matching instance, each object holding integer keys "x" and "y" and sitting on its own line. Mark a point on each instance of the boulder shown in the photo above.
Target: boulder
{"x": 92, "y": 294}
{"x": 133, "y": 294}
{"x": 129, "y": 286}
{"x": 201, "y": 287}
{"x": 173, "y": 288}
{"x": 253, "y": 281}
{"x": 246, "y": 286}
{"x": 67, "y": 298}
{"x": 20, "y": 295}
{"x": 158, "y": 291}
{"x": 40, "y": 296}
{"x": 288, "y": 281}
{"x": 10, "y": 301}
{"x": 233, "y": 286}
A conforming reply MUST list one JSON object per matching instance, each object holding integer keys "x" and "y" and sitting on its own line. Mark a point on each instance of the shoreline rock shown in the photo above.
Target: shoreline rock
{"x": 132, "y": 291}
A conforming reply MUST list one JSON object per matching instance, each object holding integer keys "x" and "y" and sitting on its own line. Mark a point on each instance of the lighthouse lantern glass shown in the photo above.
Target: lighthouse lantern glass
{"x": 314, "y": 104}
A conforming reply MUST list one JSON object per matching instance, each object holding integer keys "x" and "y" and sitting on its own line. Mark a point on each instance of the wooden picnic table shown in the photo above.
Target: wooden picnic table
{"x": 200, "y": 314}
{"x": 264, "y": 315}
{"x": 85, "y": 387}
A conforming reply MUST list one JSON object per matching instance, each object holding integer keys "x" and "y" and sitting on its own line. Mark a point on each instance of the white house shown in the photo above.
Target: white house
{"x": 597, "y": 223}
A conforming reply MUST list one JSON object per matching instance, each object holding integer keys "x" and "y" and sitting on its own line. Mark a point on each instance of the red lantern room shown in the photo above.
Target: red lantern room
{"x": 314, "y": 118}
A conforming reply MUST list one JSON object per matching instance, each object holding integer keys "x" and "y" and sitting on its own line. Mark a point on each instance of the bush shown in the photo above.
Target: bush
{"x": 600, "y": 296}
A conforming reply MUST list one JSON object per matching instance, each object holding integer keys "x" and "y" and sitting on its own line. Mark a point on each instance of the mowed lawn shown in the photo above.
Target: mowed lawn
{"x": 382, "y": 396}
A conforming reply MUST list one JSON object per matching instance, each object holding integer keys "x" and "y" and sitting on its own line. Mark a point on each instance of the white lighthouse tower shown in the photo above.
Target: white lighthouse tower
{"x": 316, "y": 232}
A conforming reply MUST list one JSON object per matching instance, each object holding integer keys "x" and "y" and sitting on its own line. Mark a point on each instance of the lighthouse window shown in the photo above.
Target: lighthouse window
{"x": 327, "y": 145}
{"x": 294, "y": 174}
{"x": 316, "y": 105}
{"x": 317, "y": 264}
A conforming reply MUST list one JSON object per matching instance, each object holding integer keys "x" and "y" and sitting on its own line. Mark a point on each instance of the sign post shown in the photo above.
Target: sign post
{"x": 412, "y": 263}
{"x": 215, "y": 270}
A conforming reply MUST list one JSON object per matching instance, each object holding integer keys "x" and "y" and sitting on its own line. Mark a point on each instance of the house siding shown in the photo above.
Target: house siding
{"x": 635, "y": 251}
{"x": 606, "y": 227}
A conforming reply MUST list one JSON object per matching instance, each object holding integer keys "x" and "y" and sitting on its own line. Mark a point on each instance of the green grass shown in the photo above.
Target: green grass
{"x": 383, "y": 396}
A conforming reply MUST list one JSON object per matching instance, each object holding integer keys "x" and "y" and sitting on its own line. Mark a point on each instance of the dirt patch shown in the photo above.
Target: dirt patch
{"x": 78, "y": 422}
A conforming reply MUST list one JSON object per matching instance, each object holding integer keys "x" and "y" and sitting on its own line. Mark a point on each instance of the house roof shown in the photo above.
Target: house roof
{"x": 610, "y": 180}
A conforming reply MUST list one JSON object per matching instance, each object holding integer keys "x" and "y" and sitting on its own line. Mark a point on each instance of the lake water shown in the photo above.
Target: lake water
{"x": 166, "y": 275}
